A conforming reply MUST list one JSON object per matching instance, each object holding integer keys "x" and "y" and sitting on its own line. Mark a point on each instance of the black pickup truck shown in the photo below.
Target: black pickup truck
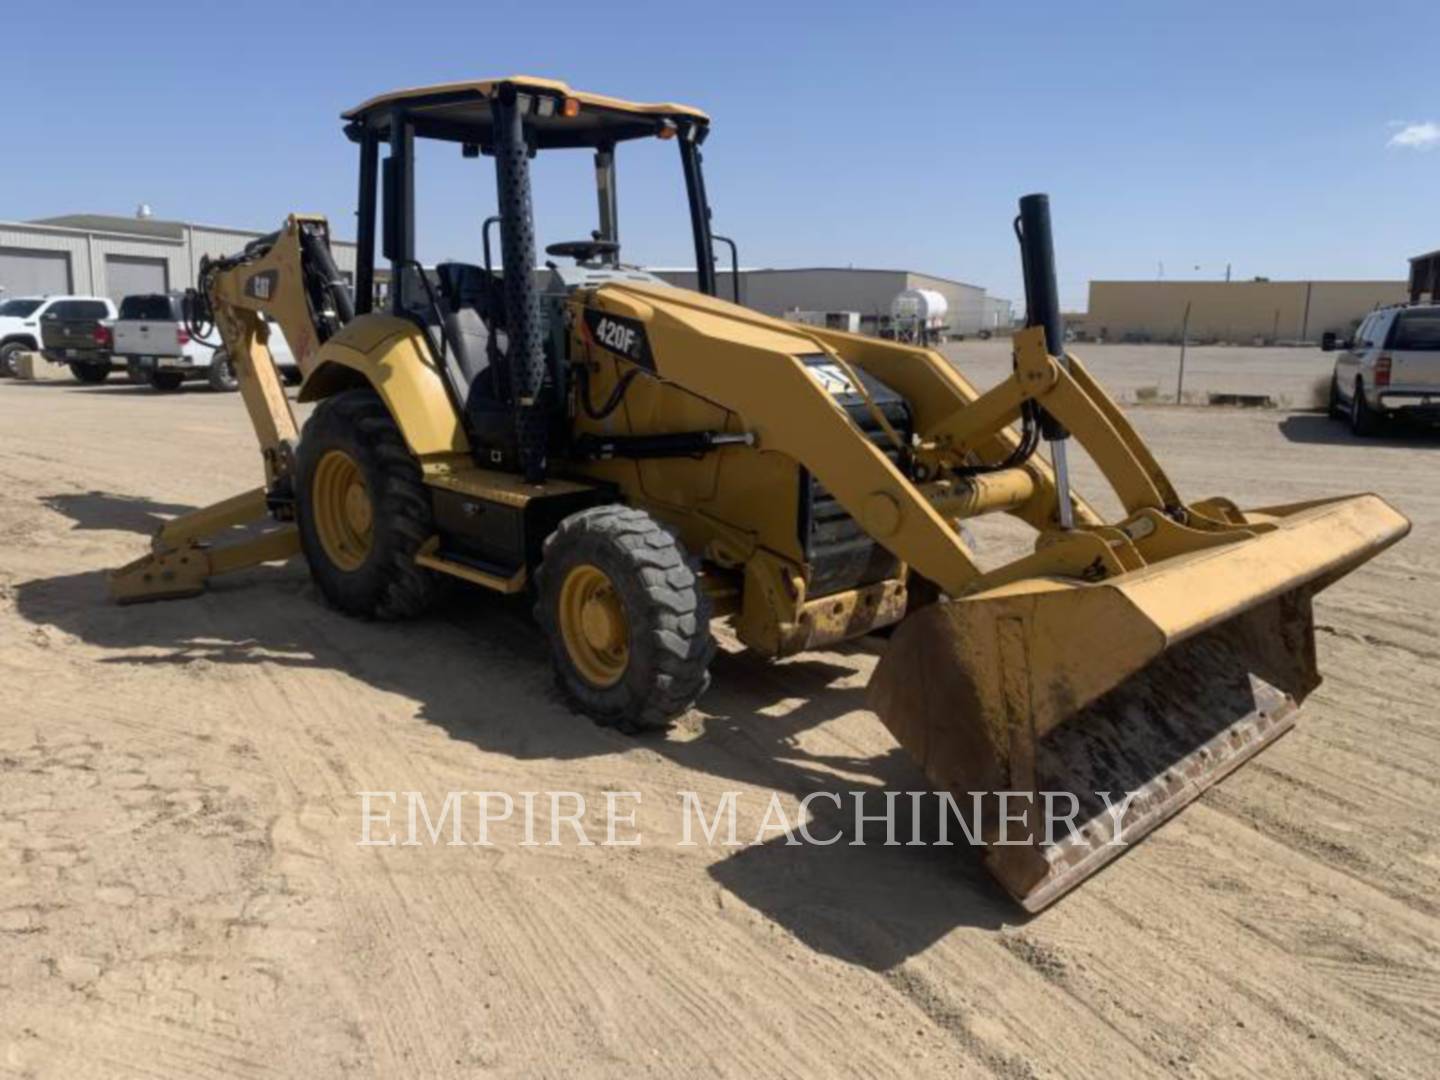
{"x": 77, "y": 332}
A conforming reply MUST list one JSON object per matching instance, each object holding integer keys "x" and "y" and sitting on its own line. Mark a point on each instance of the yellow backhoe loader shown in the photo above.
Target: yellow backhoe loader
{"x": 644, "y": 459}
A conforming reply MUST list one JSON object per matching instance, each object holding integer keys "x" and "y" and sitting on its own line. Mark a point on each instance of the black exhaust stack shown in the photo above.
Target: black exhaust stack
{"x": 526, "y": 351}
{"x": 1042, "y": 308}
{"x": 1037, "y": 253}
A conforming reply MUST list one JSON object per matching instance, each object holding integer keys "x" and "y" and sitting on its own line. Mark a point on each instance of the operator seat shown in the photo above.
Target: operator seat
{"x": 468, "y": 293}
{"x": 472, "y": 303}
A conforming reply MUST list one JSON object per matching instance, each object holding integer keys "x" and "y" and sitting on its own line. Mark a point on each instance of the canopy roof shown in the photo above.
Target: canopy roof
{"x": 460, "y": 111}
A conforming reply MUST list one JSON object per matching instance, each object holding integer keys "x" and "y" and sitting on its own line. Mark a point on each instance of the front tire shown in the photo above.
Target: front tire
{"x": 10, "y": 359}
{"x": 90, "y": 373}
{"x": 363, "y": 510}
{"x": 1336, "y": 406}
{"x": 627, "y": 621}
{"x": 1364, "y": 421}
{"x": 222, "y": 373}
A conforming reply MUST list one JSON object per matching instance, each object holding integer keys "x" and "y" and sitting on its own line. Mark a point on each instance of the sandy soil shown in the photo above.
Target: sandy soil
{"x": 182, "y": 894}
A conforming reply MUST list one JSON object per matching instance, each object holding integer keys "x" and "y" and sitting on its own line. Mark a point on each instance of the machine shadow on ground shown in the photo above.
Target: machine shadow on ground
{"x": 839, "y": 898}
{"x": 99, "y": 510}
{"x": 1317, "y": 428}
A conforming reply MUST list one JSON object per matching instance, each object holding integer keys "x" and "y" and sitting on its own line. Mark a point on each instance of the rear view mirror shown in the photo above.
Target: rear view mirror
{"x": 1327, "y": 341}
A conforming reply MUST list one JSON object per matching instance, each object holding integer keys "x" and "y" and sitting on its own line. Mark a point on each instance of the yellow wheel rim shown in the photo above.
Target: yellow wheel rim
{"x": 344, "y": 514}
{"x": 593, "y": 626}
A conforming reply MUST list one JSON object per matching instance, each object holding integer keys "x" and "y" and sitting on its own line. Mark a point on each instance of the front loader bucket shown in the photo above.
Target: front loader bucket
{"x": 1152, "y": 685}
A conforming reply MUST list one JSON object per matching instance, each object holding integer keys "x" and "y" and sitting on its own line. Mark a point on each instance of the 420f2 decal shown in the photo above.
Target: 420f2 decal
{"x": 620, "y": 335}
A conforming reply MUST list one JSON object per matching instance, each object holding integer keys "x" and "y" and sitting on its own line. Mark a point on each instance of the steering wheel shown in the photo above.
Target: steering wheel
{"x": 583, "y": 250}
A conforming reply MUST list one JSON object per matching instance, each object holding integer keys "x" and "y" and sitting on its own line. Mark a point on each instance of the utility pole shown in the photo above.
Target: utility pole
{"x": 1184, "y": 337}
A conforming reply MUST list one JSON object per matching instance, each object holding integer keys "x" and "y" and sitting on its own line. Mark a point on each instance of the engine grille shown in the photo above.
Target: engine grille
{"x": 840, "y": 553}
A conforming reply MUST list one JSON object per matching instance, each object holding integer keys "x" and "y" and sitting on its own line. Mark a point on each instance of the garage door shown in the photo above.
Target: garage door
{"x": 27, "y": 272}
{"x": 127, "y": 275}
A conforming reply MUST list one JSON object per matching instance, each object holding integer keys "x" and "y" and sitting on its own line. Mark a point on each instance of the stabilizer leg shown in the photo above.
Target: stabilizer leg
{"x": 181, "y": 562}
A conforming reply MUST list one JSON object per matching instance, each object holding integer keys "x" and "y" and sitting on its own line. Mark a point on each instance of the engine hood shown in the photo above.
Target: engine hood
{"x": 666, "y": 310}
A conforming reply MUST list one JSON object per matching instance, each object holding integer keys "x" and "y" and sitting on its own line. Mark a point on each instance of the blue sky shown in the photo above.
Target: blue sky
{"x": 1288, "y": 139}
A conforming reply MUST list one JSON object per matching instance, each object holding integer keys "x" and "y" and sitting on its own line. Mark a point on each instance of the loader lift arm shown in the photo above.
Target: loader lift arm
{"x": 289, "y": 276}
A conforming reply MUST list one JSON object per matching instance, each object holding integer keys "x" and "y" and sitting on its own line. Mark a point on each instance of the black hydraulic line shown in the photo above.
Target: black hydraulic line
{"x": 691, "y": 444}
{"x": 324, "y": 283}
{"x": 617, "y": 395}
{"x": 1032, "y": 417}
{"x": 526, "y": 347}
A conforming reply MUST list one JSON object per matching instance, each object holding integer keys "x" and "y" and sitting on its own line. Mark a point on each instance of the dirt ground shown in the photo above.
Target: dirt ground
{"x": 182, "y": 893}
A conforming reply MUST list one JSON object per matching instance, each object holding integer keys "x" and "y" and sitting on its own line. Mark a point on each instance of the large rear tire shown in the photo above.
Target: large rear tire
{"x": 363, "y": 510}
{"x": 627, "y": 621}
{"x": 89, "y": 373}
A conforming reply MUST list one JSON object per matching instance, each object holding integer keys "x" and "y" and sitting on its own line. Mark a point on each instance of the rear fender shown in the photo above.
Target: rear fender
{"x": 390, "y": 356}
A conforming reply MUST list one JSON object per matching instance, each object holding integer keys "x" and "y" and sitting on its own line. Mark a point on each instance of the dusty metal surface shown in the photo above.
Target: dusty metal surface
{"x": 1153, "y": 745}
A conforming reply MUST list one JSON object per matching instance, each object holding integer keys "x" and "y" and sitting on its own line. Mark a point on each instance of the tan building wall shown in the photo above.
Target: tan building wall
{"x": 1238, "y": 311}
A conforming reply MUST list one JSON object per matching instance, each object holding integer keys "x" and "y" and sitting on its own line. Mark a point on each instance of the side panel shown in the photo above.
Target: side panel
{"x": 748, "y": 364}
{"x": 392, "y": 356}
{"x": 739, "y": 496}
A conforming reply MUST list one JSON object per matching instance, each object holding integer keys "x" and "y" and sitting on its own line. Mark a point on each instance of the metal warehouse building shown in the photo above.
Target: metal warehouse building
{"x": 1233, "y": 311}
{"x": 104, "y": 255}
{"x": 774, "y": 292}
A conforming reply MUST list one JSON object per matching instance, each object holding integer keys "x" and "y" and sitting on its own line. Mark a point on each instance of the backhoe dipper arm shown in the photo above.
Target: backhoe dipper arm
{"x": 291, "y": 277}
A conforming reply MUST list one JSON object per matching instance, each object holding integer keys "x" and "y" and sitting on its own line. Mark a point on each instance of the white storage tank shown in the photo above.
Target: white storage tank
{"x": 923, "y": 306}
{"x": 918, "y": 315}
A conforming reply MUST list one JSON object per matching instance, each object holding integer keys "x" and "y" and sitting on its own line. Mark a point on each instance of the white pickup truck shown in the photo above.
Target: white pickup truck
{"x": 151, "y": 338}
{"x": 79, "y": 328}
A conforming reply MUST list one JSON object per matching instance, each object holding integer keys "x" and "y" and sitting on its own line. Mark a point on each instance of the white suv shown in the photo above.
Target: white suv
{"x": 1391, "y": 368}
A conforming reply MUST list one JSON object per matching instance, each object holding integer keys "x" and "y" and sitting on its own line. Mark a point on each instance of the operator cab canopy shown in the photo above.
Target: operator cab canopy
{"x": 561, "y": 118}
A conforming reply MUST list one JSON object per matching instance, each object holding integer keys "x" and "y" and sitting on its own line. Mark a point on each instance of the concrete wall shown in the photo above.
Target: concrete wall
{"x": 1237, "y": 311}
